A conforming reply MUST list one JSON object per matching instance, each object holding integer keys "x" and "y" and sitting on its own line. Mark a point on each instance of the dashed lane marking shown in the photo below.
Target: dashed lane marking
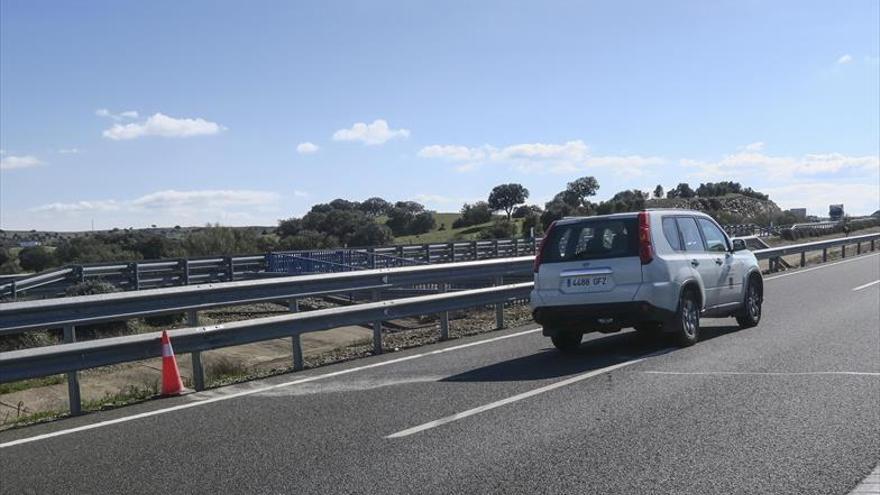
{"x": 202, "y": 402}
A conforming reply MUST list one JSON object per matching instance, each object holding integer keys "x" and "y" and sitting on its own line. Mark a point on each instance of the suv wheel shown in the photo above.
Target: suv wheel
{"x": 567, "y": 341}
{"x": 750, "y": 314}
{"x": 685, "y": 325}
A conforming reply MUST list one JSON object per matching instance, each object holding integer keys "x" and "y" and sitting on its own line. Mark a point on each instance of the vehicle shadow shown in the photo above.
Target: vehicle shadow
{"x": 597, "y": 351}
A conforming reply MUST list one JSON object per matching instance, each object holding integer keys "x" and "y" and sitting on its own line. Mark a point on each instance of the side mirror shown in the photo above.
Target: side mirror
{"x": 739, "y": 245}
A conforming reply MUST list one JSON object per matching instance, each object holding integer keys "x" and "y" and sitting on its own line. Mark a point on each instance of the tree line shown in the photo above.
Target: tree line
{"x": 372, "y": 222}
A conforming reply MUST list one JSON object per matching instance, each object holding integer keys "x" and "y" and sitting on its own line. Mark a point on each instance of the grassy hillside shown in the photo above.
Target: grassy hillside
{"x": 447, "y": 234}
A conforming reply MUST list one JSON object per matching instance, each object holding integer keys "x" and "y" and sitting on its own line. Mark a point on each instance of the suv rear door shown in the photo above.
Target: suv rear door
{"x": 590, "y": 261}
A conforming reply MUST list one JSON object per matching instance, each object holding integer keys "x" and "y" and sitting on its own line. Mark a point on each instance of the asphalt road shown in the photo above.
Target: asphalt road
{"x": 791, "y": 406}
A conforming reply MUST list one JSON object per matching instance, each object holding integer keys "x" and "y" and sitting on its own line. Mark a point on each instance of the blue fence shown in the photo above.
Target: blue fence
{"x": 332, "y": 261}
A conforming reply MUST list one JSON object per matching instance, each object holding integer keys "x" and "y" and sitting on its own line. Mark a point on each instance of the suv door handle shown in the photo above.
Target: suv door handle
{"x": 695, "y": 263}
{"x": 718, "y": 261}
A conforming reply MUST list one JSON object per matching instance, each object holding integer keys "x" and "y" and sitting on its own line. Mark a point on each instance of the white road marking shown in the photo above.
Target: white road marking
{"x": 759, "y": 373}
{"x": 202, "y": 402}
{"x": 866, "y": 285}
{"x": 518, "y": 397}
{"x": 824, "y": 265}
{"x": 870, "y": 485}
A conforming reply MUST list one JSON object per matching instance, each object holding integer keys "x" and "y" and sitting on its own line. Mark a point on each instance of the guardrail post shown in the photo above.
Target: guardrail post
{"x": 184, "y": 271}
{"x": 134, "y": 276}
{"x": 296, "y": 340}
{"x": 516, "y": 246}
{"x": 451, "y": 250}
{"x": 73, "y": 397}
{"x": 14, "y": 290}
{"x": 499, "y": 308}
{"x": 400, "y": 251}
{"x": 371, "y": 252}
{"x": 192, "y": 320}
{"x": 474, "y": 250}
{"x": 824, "y": 255}
{"x": 843, "y": 251}
{"x": 858, "y": 248}
{"x": 444, "y": 317}
{"x": 494, "y": 248}
{"x": 230, "y": 268}
{"x": 377, "y": 330}
{"x": 427, "y": 253}
{"x": 872, "y": 244}
{"x": 79, "y": 275}
{"x": 803, "y": 259}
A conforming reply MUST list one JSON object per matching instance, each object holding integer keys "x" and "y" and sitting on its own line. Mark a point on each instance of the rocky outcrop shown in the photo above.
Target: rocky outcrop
{"x": 732, "y": 205}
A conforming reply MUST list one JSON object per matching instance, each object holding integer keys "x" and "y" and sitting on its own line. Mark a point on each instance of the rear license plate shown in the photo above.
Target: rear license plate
{"x": 588, "y": 283}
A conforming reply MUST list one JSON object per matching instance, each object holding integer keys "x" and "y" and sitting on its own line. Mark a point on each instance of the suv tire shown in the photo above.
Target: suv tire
{"x": 567, "y": 341}
{"x": 685, "y": 325}
{"x": 750, "y": 314}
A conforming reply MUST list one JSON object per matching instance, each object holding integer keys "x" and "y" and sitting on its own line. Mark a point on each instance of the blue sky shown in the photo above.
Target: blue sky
{"x": 139, "y": 113}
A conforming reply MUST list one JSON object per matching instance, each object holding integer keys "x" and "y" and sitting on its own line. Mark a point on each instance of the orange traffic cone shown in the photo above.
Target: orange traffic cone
{"x": 171, "y": 382}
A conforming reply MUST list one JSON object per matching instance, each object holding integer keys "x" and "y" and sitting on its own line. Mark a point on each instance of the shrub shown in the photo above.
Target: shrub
{"x": 97, "y": 330}
{"x": 500, "y": 229}
{"x": 36, "y": 259}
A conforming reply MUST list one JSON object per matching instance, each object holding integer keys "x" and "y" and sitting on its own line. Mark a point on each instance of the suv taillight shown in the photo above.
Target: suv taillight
{"x": 646, "y": 248}
{"x": 539, "y": 255}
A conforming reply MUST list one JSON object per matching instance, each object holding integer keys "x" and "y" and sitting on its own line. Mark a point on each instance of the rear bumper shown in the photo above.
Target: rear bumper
{"x": 589, "y": 317}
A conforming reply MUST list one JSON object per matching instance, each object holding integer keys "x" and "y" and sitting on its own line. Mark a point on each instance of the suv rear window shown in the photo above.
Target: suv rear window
{"x": 592, "y": 239}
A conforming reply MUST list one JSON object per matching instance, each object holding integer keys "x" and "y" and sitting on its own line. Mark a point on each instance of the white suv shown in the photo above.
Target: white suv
{"x": 655, "y": 270}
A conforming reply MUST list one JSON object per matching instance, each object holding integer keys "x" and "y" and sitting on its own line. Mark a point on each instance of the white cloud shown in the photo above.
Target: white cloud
{"x": 78, "y": 206}
{"x": 563, "y": 158}
{"x": 10, "y": 162}
{"x": 168, "y": 207}
{"x": 758, "y": 164}
{"x": 128, "y": 114}
{"x": 857, "y": 198}
{"x": 69, "y": 151}
{"x": 455, "y": 153}
{"x": 204, "y": 199}
{"x": 756, "y": 146}
{"x": 307, "y": 148}
{"x": 162, "y": 125}
{"x": 301, "y": 194}
{"x": 371, "y": 134}
{"x": 845, "y": 59}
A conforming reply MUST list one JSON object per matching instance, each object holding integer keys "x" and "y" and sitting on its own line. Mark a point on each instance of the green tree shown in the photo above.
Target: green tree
{"x": 409, "y": 218}
{"x": 371, "y": 234}
{"x": 473, "y": 214}
{"x": 375, "y": 206}
{"x": 658, "y": 191}
{"x": 36, "y": 258}
{"x": 683, "y": 190}
{"x": 506, "y": 196}
{"x": 581, "y": 189}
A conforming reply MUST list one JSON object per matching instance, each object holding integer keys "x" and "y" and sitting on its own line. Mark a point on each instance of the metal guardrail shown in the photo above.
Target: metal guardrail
{"x": 141, "y": 275}
{"x": 16, "y": 317}
{"x": 165, "y": 273}
{"x": 774, "y": 255}
{"x": 41, "y": 361}
{"x": 71, "y": 356}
